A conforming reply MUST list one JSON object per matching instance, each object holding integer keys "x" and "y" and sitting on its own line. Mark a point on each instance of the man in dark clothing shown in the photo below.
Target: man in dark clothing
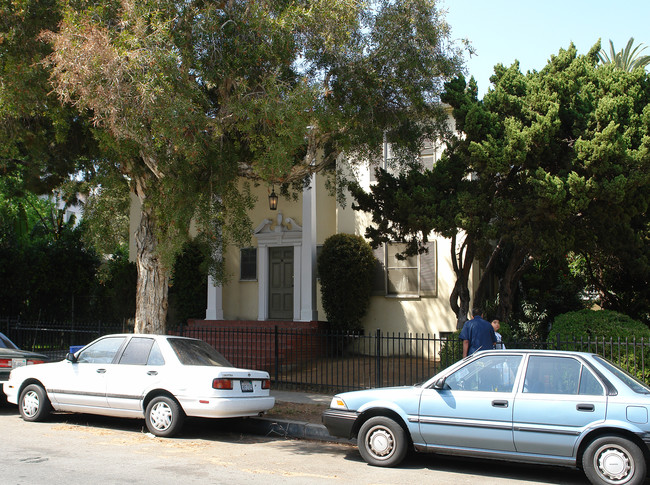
{"x": 477, "y": 334}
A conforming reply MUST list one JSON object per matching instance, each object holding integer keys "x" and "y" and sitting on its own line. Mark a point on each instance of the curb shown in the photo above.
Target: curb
{"x": 291, "y": 429}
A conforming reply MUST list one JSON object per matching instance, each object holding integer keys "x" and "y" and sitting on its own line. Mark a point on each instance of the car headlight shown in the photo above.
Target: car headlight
{"x": 338, "y": 403}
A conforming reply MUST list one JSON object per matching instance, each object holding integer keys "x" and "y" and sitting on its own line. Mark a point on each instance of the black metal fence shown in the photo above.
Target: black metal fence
{"x": 54, "y": 338}
{"x": 327, "y": 361}
{"x": 322, "y": 361}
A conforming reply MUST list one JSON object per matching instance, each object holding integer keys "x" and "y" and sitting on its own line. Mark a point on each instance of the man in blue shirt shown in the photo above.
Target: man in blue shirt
{"x": 477, "y": 334}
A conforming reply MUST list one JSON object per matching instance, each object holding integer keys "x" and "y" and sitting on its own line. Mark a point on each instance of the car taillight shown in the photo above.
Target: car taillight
{"x": 222, "y": 384}
{"x": 5, "y": 363}
{"x": 32, "y": 361}
{"x": 266, "y": 384}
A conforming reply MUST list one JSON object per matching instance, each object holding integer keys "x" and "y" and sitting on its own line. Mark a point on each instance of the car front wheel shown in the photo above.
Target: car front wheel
{"x": 33, "y": 403}
{"x": 382, "y": 442}
{"x": 164, "y": 416}
{"x": 613, "y": 460}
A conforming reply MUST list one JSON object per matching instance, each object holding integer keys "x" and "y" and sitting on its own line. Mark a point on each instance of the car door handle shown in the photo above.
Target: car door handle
{"x": 101, "y": 371}
{"x": 500, "y": 404}
{"x": 586, "y": 407}
{"x": 152, "y": 373}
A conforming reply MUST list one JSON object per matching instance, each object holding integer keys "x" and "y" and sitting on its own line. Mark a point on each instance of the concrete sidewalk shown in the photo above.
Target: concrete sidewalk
{"x": 293, "y": 429}
{"x": 301, "y": 397}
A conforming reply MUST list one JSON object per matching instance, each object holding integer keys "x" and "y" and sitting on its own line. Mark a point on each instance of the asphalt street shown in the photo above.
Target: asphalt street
{"x": 71, "y": 449}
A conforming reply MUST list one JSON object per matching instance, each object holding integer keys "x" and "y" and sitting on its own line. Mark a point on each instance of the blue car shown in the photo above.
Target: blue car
{"x": 549, "y": 407}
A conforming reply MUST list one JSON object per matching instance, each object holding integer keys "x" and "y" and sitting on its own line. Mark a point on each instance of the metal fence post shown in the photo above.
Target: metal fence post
{"x": 379, "y": 370}
{"x": 277, "y": 353}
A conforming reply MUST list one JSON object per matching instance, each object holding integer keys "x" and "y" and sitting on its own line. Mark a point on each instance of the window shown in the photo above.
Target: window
{"x": 560, "y": 375}
{"x": 632, "y": 382}
{"x": 402, "y": 275}
{"x": 429, "y": 155}
{"x": 197, "y": 352}
{"x": 488, "y": 374}
{"x": 248, "y": 264}
{"x": 155, "y": 356}
{"x": 137, "y": 351}
{"x": 415, "y": 276}
{"x": 102, "y": 351}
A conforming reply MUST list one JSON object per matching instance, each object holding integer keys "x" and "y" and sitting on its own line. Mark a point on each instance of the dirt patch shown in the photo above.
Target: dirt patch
{"x": 310, "y": 413}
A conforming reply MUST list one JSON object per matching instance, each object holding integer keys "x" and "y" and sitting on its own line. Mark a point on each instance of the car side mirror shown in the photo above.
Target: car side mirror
{"x": 439, "y": 384}
{"x": 71, "y": 357}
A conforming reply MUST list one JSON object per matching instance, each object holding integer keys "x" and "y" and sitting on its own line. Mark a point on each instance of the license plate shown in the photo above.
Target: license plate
{"x": 246, "y": 386}
{"x": 18, "y": 363}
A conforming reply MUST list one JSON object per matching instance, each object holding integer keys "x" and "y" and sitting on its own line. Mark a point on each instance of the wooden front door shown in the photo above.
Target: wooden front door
{"x": 281, "y": 283}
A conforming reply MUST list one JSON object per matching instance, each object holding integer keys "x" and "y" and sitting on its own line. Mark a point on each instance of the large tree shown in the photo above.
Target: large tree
{"x": 185, "y": 98}
{"x": 548, "y": 163}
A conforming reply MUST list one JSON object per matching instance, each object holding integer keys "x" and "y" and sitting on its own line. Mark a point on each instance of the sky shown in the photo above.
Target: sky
{"x": 502, "y": 31}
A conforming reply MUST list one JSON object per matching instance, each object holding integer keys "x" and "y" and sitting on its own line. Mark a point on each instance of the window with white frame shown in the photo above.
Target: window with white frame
{"x": 414, "y": 276}
{"x": 248, "y": 264}
{"x": 429, "y": 155}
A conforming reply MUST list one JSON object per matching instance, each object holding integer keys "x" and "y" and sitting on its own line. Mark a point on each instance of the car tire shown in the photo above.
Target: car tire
{"x": 34, "y": 404}
{"x": 382, "y": 442}
{"x": 164, "y": 416}
{"x": 614, "y": 460}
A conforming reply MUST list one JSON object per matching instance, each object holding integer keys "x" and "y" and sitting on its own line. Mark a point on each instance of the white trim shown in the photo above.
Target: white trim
{"x": 277, "y": 234}
{"x": 308, "y": 309}
{"x": 214, "y": 311}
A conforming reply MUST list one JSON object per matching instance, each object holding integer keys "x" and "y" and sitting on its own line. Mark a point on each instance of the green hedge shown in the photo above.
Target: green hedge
{"x": 600, "y": 332}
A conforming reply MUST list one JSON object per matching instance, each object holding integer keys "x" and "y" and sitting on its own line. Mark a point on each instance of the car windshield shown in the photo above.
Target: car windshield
{"x": 197, "y": 352}
{"x": 5, "y": 343}
{"x": 632, "y": 382}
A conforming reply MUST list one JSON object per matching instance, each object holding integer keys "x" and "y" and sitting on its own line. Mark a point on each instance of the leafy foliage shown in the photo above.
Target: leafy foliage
{"x": 549, "y": 163}
{"x": 600, "y": 327}
{"x": 627, "y": 59}
{"x": 188, "y": 291}
{"x": 184, "y": 98}
{"x": 346, "y": 267}
{"x": 597, "y": 323}
{"x": 46, "y": 269}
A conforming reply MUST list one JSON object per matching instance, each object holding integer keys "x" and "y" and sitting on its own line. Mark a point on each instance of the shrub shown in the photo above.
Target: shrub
{"x": 346, "y": 267}
{"x": 599, "y": 332}
{"x": 188, "y": 292}
{"x": 451, "y": 350}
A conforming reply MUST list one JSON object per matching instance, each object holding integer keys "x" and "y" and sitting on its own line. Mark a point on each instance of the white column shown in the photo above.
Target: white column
{"x": 297, "y": 285}
{"x": 262, "y": 282}
{"x": 215, "y": 301}
{"x": 308, "y": 311}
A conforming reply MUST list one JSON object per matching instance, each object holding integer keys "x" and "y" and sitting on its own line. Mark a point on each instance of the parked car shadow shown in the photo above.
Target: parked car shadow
{"x": 491, "y": 469}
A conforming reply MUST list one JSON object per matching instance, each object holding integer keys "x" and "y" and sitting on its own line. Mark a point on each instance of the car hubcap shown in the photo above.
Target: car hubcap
{"x": 161, "y": 416}
{"x": 380, "y": 442}
{"x": 614, "y": 464}
{"x": 30, "y": 404}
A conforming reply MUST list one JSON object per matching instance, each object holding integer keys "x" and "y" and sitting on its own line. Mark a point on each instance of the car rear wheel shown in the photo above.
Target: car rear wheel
{"x": 164, "y": 416}
{"x": 33, "y": 403}
{"x": 382, "y": 442}
{"x": 613, "y": 460}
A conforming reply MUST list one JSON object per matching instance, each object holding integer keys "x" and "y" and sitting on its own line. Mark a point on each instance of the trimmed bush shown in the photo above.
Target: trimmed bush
{"x": 346, "y": 267}
{"x": 601, "y": 323}
{"x": 599, "y": 332}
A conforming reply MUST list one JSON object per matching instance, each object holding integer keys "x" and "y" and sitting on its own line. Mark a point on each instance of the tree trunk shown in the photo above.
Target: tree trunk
{"x": 519, "y": 262}
{"x": 460, "y": 296}
{"x": 153, "y": 279}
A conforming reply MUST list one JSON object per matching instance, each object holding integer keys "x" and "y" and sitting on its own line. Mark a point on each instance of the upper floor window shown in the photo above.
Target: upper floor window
{"x": 429, "y": 155}
{"x": 414, "y": 276}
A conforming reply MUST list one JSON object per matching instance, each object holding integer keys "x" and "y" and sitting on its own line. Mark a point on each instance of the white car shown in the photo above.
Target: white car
{"x": 160, "y": 378}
